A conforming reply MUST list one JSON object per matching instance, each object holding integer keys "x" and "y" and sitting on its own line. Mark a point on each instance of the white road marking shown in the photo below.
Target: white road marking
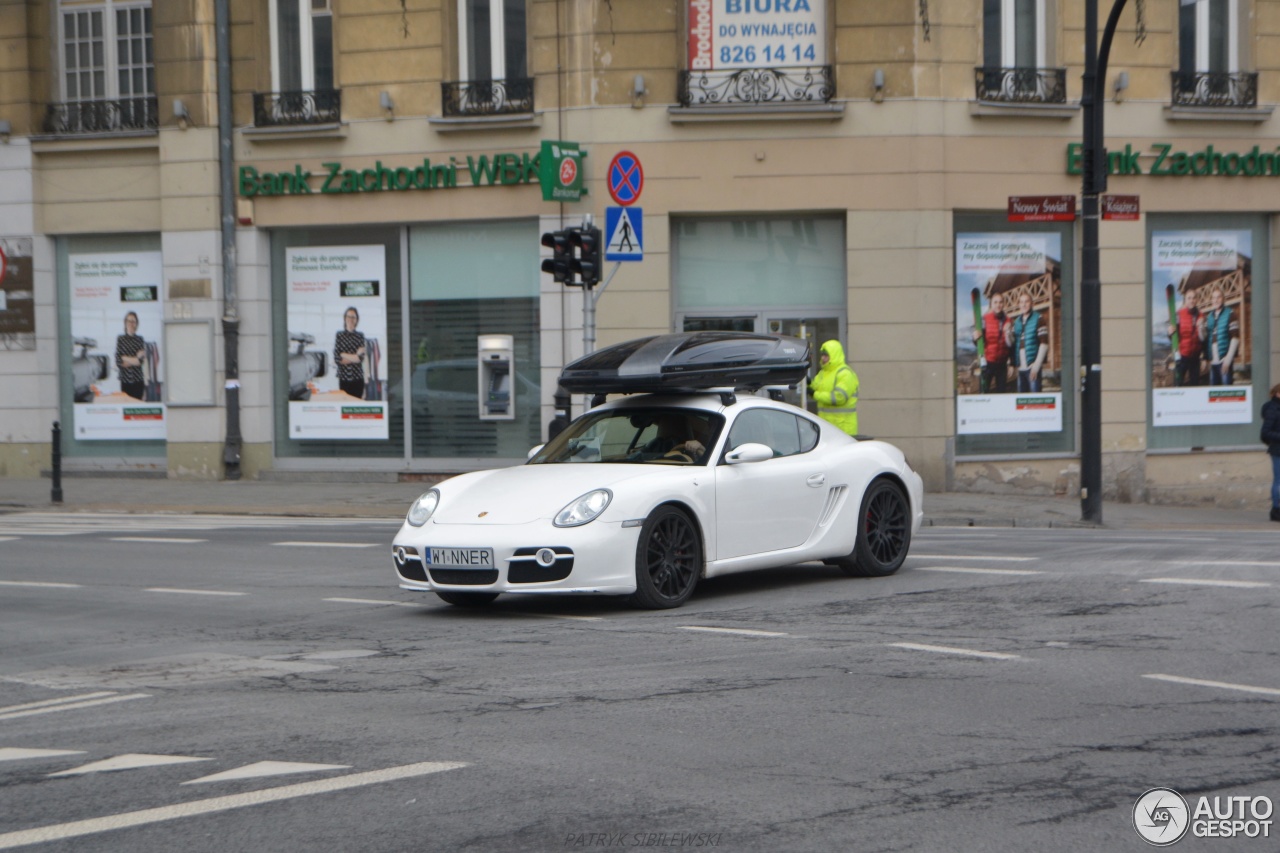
{"x": 129, "y": 761}
{"x": 1225, "y": 685}
{"x": 192, "y": 591}
{"x": 565, "y": 616}
{"x": 1207, "y": 582}
{"x": 328, "y": 544}
{"x": 9, "y": 538}
{"x": 968, "y": 570}
{"x": 71, "y": 706}
{"x": 266, "y": 768}
{"x": 951, "y": 650}
{"x": 13, "y": 753}
{"x": 50, "y": 584}
{"x": 76, "y": 829}
{"x": 1269, "y": 563}
{"x": 745, "y": 632}
{"x": 61, "y": 700}
{"x": 994, "y": 559}
{"x": 371, "y": 601}
{"x": 170, "y": 540}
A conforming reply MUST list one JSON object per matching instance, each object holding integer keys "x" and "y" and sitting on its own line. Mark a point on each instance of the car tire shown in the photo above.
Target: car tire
{"x": 884, "y": 532}
{"x": 467, "y": 599}
{"x": 668, "y": 560}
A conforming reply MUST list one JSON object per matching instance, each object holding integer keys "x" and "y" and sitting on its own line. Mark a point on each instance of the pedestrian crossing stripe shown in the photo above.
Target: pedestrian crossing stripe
{"x": 266, "y": 768}
{"x": 129, "y": 761}
{"x": 624, "y": 233}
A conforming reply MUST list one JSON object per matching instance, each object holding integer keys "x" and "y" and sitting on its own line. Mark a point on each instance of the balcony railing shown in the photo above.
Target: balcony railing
{"x": 72, "y": 117}
{"x": 287, "y": 109}
{"x": 756, "y": 86}
{"x": 1215, "y": 89}
{"x": 511, "y": 96}
{"x": 1022, "y": 85}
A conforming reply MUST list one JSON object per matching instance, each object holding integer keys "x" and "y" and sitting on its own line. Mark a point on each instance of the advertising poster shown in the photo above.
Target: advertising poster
{"x": 731, "y": 34}
{"x": 17, "y": 295}
{"x": 1008, "y": 333}
{"x": 117, "y": 337}
{"x": 337, "y": 321}
{"x": 1201, "y": 328}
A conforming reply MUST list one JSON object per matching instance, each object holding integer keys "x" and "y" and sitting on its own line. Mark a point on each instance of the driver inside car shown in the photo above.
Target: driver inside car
{"x": 674, "y": 439}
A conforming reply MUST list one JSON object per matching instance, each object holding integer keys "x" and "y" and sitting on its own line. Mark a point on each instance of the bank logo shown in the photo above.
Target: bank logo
{"x": 1161, "y": 817}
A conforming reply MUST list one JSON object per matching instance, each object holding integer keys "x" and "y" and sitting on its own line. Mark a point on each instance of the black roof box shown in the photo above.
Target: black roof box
{"x": 689, "y": 362}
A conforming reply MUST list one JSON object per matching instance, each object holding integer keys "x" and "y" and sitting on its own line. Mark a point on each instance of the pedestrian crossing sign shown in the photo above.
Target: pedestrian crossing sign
{"x": 624, "y": 233}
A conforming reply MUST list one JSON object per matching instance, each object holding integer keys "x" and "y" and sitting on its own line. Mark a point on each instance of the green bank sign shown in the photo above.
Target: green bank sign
{"x": 556, "y": 166}
{"x": 1162, "y": 159}
{"x": 332, "y": 178}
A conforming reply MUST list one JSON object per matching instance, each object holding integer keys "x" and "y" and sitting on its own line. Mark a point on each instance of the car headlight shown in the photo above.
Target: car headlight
{"x": 423, "y": 507}
{"x": 583, "y": 509}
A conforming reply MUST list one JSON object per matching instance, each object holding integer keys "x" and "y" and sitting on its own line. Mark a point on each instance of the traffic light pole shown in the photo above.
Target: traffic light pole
{"x": 1093, "y": 183}
{"x": 589, "y": 297}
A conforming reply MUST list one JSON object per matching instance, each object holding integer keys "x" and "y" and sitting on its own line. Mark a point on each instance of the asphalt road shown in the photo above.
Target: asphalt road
{"x": 211, "y": 684}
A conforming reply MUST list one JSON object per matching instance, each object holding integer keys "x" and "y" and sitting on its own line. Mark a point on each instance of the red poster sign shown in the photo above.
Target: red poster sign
{"x": 1042, "y": 208}
{"x": 1122, "y": 207}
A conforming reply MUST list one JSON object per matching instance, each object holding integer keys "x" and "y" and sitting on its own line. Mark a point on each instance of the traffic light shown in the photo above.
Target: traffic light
{"x": 559, "y": 264}
{"x": 587, "y": 263}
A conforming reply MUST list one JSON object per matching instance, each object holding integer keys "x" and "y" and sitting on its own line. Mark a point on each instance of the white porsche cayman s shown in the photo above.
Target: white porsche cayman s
{"x": 682, "y": 479}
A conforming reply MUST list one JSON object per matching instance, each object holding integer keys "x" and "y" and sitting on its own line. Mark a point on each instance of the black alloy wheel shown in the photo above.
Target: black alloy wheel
{"x": 884, "y": 532}
{"x": 668, "y": 560}
{"x": 467, "y": 599}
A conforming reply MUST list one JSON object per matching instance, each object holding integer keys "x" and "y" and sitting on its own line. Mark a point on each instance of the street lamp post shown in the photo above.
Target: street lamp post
{"x": 1094, "y": 182}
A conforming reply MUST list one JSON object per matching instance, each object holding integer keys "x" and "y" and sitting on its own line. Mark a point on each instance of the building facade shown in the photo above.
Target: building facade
{"x": 899, "y": 175}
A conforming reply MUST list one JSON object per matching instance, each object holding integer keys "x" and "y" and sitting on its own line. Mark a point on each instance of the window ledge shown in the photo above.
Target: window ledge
{"x": 825, "y": 111}
{"x": 1257, "y": 115}
{"x": 286, "y": 133}
{"x": 144, "y": 139}
{"x": 466, "y": 124}
{"x": 1011, "y": 110}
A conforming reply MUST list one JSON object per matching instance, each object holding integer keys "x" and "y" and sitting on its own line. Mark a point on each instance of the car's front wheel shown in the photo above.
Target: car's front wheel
{"x": 668, "y": 560}
{"x": 467, "y": 599}
{"x": 884, "y": 532}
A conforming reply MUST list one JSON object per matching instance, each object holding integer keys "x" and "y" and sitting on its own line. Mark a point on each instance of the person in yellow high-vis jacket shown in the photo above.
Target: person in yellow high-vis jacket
{"x": 835, "y": 388}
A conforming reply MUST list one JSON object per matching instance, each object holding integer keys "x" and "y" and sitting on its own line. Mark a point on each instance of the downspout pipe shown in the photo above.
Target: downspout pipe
{"x": 227, "y": 203}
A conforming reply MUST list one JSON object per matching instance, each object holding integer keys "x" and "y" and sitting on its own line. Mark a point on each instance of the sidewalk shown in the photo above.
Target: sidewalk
{"x": 338, "y": 498}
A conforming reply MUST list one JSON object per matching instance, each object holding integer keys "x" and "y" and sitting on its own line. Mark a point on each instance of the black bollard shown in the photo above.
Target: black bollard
{"x": 55, "y": 494}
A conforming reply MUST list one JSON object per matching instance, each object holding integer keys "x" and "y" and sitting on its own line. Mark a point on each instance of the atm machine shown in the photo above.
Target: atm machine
{"x": 496, "y": 357}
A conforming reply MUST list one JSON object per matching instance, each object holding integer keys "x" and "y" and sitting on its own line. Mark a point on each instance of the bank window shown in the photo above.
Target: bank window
{"x": 302, "y": 45}
{"x": 107, "y": 80}
{"x": 1209, "y": 56}
{"x": 302, "y": 70}
{"x": 1015, "y": 54}
{"x": 492, "y": 60}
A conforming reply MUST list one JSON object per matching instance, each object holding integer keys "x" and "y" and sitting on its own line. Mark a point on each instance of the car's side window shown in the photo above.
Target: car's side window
{"x": 784, "y": 433}
{"x": 809, "y": 433}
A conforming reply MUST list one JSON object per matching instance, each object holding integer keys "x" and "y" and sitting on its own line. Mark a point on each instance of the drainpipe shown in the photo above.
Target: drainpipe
{"x": 227, "y": 203}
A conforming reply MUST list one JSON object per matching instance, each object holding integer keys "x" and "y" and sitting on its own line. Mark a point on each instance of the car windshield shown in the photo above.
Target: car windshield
{"x": 656, "y": 436}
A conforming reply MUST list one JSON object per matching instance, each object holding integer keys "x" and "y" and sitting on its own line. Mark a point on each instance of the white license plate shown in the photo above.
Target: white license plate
{"x": 460, "y": 558}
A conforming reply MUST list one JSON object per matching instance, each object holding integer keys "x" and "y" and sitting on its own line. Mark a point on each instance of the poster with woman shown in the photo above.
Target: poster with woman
{"x": 117, "y": 337}
{"x": 337, "y": 323}
{"x": 1008, "y": 352}
{"x": 1201, "y": 327}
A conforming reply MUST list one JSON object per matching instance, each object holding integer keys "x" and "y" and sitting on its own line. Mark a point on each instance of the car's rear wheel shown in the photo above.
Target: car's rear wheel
{"x": 668, "y": 560}
{"x": 467, "y": 599}
{"x": 884, "y": 532}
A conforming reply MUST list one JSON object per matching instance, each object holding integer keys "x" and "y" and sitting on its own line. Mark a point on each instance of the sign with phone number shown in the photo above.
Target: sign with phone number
{"x": 730, "y": 34}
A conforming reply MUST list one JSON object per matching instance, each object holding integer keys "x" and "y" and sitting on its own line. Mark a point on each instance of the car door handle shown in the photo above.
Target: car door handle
{"x": 816, "y": 480}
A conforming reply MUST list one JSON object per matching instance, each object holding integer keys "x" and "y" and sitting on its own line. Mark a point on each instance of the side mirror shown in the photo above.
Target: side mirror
{"x": 534, "y": 451}
{"x": 749, "y": 452}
